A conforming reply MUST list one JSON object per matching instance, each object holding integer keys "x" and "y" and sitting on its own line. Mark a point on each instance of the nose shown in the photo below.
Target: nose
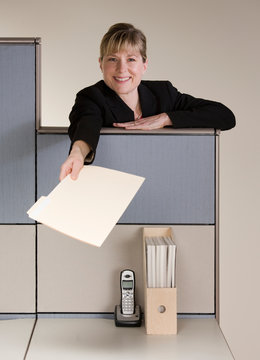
{"x": 121, "y": 66}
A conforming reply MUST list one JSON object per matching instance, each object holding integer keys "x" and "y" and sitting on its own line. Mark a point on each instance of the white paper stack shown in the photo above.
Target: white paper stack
{"x": 161, "y": 262}
{"x": 151, "y": 263}
{"x": 88, "y": 208}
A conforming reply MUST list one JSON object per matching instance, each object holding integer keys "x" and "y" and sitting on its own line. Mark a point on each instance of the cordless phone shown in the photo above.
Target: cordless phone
{"x": 127, "y": 313}
{"x": 127, "y": 284}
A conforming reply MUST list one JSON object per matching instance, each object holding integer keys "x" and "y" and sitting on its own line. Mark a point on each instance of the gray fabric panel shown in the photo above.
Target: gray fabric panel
{"x": 17, "y": 119}
{"x": 52, "y": 150}
{"x": 179, "y": 172}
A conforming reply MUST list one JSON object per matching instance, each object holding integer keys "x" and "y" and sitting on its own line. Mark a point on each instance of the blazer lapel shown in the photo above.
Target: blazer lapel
{"x": 122, "y": 112}
{"x": 148, "y": 101}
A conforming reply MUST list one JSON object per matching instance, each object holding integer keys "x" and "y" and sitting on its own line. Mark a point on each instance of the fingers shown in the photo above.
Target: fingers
{"x": 72, "y": 167}
{"x": 119, "y": 124}
{"x": 138, "y": 125}
{"x": 130, "y": 125}
{"x": 77, "y": 166}
{"x": 64, "y": 171}
{"x": 149, "y": 123}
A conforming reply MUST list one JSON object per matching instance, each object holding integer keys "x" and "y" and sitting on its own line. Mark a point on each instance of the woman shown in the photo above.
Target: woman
{"x": 123, "y": 100}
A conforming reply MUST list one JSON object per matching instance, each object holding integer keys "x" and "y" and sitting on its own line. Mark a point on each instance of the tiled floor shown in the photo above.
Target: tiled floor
{"x": 76, "y": 339}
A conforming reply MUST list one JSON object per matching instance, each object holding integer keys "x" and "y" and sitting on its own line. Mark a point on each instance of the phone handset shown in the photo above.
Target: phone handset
{"x": 127, "y": 283}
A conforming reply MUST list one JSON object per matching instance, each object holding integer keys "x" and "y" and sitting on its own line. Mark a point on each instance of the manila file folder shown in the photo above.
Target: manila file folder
{"x": 88, "y": 208}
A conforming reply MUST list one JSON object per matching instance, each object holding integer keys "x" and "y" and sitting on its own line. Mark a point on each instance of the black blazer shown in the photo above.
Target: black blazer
{"x": 98, "y": 106}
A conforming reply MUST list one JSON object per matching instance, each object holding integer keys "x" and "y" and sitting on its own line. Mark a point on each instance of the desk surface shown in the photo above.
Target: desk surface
{"x": 14, "y": 338}
{"x": 78, "y": 339}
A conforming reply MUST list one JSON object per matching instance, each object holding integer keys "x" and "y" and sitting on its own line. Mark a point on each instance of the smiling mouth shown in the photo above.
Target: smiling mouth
{"x": 122, "y": 79}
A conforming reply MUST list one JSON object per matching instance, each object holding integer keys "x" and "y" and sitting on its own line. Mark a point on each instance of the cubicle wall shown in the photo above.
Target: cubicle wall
{"x": 179, "y": 191}
{"x": 17, "y": 176}
{"x": 179, "y": 172}
{"x": 17, "y": 143}
{"x": 70, "y": 276}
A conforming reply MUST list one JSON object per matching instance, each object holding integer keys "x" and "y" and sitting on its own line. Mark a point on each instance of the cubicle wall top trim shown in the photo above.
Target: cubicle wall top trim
{"x": 25, "y": 40}
{"x": 114, "y": 131}
{"x": 162, "y": 131}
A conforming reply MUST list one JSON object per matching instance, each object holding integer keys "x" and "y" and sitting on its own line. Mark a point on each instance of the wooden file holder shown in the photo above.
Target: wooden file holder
{"x": 160, "y": 304}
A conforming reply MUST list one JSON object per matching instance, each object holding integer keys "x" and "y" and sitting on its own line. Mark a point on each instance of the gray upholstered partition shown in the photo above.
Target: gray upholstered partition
{"x": 179, "y": 172}
{"x": 52, "y": 150}
{"x": 17, "y": 135}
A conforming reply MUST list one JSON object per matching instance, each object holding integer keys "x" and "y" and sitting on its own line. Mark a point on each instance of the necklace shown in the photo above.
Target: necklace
{"x": 138, "y": 117}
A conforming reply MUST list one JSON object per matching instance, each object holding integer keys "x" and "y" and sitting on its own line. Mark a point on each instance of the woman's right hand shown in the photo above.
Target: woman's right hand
{"x": 75, "y": 161}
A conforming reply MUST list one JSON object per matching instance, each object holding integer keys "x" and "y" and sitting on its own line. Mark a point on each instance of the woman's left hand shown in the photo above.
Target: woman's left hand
{"x": 149, "y": 123}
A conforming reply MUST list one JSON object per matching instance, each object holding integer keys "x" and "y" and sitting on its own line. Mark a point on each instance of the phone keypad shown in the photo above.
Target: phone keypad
{"x": 128, "y": 303}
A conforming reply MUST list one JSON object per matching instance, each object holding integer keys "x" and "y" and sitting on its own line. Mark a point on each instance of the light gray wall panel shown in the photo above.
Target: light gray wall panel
{"x": 179, "y": 172}
{"x": 17, "y": 268}
{"x": 17, "y": 120}
{"x": 75, "y": 277}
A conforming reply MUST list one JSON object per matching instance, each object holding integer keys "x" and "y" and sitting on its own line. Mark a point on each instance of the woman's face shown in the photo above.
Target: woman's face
{"x": 123, "y": 71}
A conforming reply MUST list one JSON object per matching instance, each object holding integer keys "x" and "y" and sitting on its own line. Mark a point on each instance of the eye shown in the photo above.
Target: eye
{"x": 112, "y": 59}
{"x": 131, "y": 59}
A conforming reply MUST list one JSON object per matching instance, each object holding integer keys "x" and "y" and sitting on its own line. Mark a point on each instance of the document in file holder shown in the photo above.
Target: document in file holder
{"x": 88, "y": 208}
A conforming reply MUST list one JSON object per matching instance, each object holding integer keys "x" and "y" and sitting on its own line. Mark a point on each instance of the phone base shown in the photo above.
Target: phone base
{"x": 122, "y": 320}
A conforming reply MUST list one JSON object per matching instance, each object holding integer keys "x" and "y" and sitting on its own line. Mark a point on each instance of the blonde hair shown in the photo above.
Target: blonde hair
{"x": 121, "y": 35}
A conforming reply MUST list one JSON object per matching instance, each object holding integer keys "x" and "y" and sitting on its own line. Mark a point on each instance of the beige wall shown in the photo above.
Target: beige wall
{"x": 239, "y": 189}
{"x": 206, "y": 48}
